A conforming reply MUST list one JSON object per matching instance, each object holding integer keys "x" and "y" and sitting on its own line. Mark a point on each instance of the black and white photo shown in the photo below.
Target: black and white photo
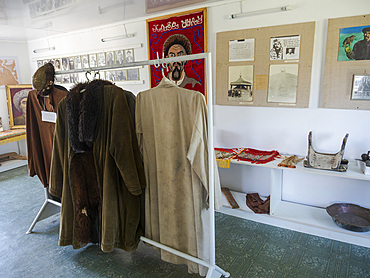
{"x": 101, "y": 59}
{"x": 119, "y": 57}
{"x": 283, "y": 83}
{"x": 78, "y": 64}
{"x": 71, "y": 63}
{"x": 85, "y": 61}
{"x": 110, "y": 75}
{"x": 92, "y": 60}
{"x": 240, "y": 83}
{"x": 121, "y": 75}
{"x": 133, "y": 74}
{"x": 129, "y": 55}
{"x": 110, "y": 58}
{"x": 65, "y": 64}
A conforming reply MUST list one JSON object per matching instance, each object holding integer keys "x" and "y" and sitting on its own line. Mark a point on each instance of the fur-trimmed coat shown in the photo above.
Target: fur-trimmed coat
{"x": 97, "y": 169}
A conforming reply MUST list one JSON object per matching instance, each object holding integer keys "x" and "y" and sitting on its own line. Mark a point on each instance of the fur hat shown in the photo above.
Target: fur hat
{"x": 19, "y": 96}
{"x": 43, "y": 79}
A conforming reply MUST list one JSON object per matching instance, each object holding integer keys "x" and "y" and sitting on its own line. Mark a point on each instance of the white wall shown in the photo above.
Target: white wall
{"x": 19, "y": 50}
{"x": 286, "y": 129}
{"x": 283, "y": 129}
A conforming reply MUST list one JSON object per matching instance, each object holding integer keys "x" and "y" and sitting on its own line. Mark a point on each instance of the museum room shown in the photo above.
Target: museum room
{"x": 244, "y": 150}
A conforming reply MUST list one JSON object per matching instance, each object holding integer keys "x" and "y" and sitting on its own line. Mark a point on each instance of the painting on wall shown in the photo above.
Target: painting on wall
{"x": 17, "y": 104}
{"x": 8, "y": 71}
{"x": 177, "y": 35}
{"x": 353, "y": 43}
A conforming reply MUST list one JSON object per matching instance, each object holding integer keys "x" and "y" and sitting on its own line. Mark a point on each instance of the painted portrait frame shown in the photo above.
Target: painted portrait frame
{"x": 14, "y": 113}
{"x": 191, "y": 27}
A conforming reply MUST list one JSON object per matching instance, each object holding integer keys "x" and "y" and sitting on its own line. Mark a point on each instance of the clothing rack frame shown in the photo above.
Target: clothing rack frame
{"x": 214, "y": 271}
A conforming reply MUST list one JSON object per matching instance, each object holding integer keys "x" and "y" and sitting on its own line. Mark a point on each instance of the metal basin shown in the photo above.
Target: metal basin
{"x": 349, "y": 216}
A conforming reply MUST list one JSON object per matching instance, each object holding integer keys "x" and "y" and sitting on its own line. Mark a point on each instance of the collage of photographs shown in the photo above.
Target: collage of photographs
{"x": 91, "y": 61}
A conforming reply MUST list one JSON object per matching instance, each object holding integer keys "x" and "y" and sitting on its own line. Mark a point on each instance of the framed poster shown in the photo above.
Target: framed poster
{"x": 17, "y": 104}
{"x": 353, "y": 43}
{"x": 176, "y": 35}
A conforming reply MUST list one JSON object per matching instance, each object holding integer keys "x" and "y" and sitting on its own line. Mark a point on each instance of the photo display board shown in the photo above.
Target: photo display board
{"x": 269, "y": 66}
{"x": 347, "y": 64}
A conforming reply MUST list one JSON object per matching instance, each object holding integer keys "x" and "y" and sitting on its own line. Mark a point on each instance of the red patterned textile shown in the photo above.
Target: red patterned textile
{"x": 257, "y": 156}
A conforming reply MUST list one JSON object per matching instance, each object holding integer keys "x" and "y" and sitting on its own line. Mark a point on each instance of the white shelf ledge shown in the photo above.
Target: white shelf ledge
{"x": 298, "y": 217}
{"x": 12, "y": 164}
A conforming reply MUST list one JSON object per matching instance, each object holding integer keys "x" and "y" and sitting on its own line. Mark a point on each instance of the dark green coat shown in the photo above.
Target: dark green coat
{"x": 119, "y": 173}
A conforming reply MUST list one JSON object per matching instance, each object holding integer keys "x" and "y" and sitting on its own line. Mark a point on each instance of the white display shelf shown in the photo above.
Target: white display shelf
{"x": 298, "y": 217}
{"x": 12, "y": 164}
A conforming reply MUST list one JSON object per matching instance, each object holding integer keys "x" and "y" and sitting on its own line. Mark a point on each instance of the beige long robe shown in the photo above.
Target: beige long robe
{"x": 171, "y": 124}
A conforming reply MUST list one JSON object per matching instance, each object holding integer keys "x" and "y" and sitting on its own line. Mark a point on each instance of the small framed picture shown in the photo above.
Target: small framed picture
{"x": 101, "y": 59}
{"x": 119, "y": 57}
{"x": 17, "y": 104}
{"x": 58, "y": 78}
{"x": 78, "y": 64}
{"x": 110, "y": 75}
{"x": 85, "y": 61}
{"x": 92, "y": 60}
{"x": 57, "y": 65}
{"x": 129, "y": 55}
{"x": 121, "y": 75}
{"x": 110, "y": 58}
{"x": 361, "y": 87}
{"x": 65, "y": 79}
{"x": 39, "y": 63}
{"x": 45, "y": 61}
{"x": 71, "y": 63}
{"x": 65, "y": 64}
{"x": 133, "y": 74}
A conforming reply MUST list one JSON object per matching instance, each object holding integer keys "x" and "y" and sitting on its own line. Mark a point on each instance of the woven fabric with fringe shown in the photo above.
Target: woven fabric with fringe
{"x": 223, "y": 156}
{"x": 257, "y": 156}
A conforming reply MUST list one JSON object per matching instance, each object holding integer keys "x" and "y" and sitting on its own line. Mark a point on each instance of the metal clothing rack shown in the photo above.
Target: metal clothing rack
{"x": 213, "y": 270}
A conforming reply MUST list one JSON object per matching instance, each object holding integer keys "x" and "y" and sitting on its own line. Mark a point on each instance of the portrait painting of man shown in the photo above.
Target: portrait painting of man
{"x": 354, "y": 43}
{"x": 178, "y": 35}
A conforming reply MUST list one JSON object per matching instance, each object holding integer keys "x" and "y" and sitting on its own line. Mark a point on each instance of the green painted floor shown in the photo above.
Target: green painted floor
{"x": 244, "y": 248}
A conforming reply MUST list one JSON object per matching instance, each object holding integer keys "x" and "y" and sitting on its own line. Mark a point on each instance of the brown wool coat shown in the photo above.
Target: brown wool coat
{"x": 118, "y": 169}
{"x": 40, "y": 135}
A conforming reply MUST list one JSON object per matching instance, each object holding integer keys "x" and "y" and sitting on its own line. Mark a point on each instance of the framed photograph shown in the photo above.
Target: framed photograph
{"x": 240, "y": 83}
{"x": 58, "y": 78}
{"x": 78, "y": 64}
{"x": 129, "y": 55}
{"x": 110, "y": 75}
{"x": 361, "y": 87}
{"x": 101, "y": 59}
{"x": 92, "y": 60}
{"x": 168, "y": 36}
{"x": 57, "y": 65}
{"x": 110, "y": 58}
{"x": 17, "y": 104}
{"x": 283, "y": 83}
{"x": 39, "y": 63}
{"x": 285, "y": 48}
{"x": 65, "y": 64}
{"x": 121, "y": 75}
{"x": 85, "y": 61}
{"x": 65, "y": 79}
{"x": 133, "y": 74}
{"x": 71, "y": 63}
{"x": 119, "y": 57}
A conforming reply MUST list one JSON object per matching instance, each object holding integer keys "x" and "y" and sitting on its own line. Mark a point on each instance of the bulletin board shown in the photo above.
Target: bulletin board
{"x": 259, "y": 67}
{"x": 340, "y": 72}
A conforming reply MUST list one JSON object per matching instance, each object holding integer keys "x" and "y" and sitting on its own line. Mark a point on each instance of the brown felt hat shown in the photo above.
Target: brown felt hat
{"x": 44, "y": 77}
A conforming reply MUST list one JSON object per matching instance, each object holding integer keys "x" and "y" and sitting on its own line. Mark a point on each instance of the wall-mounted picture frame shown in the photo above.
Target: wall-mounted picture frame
{"x": 17, "y": 103}
{"x": 361, "y": 87}
{"x": 119, "y": 55}
{"x": 179, "y": 34}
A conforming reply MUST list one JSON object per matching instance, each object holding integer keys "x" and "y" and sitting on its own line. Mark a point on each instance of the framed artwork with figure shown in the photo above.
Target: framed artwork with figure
{"x": 17, "y": 104}
{"x": 177, "y": 35}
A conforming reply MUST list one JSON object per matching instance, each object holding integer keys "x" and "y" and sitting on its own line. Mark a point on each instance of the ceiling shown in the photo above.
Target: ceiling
{"x": 23, "y": 20}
